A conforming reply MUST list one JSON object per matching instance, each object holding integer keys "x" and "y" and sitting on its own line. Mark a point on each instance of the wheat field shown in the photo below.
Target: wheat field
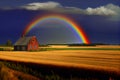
{"x": 93, "y": 59}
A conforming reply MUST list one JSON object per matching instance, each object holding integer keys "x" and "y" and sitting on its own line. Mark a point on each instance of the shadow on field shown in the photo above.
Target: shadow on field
{"x": 50, "y": 72}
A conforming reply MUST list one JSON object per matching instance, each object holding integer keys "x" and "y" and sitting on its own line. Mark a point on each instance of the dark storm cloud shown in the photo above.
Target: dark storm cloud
{"x": 100, "y": 22}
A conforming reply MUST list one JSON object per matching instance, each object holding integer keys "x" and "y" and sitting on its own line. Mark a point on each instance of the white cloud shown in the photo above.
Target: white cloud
{"x": 111, "y": 10}
{"x": 39, "y": 6}
{"x": 100, "y": 11}
{"x": 107, "y": 10}
{"x": 53, "y": 6}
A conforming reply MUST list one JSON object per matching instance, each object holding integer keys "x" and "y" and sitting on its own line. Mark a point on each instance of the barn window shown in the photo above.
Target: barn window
{"x": 18, "y": 48}
{"x": 23, "y": 48}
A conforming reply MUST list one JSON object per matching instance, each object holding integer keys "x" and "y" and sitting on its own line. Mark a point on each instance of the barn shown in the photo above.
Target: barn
{"x": 26, "y": 44}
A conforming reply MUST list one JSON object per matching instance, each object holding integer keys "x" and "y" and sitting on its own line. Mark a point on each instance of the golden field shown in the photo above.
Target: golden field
{"x": 94, "y": 59}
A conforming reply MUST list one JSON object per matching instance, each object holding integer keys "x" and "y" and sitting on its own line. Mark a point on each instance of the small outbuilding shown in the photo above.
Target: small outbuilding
{"x": 26, "y": 44}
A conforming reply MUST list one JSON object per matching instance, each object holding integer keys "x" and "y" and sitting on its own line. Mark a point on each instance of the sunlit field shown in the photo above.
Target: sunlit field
{"x": 91, "y": 58}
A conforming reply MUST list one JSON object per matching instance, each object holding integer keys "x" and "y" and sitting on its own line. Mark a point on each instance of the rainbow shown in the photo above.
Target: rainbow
{"x": 77, "y": 29}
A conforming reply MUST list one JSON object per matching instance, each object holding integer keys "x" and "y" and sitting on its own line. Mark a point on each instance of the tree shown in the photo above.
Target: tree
{"x": 9, "y": 43}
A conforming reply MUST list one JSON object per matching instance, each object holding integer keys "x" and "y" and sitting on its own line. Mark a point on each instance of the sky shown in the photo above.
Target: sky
{"x": 100, "y": 20}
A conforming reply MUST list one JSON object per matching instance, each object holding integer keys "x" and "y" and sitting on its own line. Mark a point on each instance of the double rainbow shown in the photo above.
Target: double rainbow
{"x": 77, "y": 29}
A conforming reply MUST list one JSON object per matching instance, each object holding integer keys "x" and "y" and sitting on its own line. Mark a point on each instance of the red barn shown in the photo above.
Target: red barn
{"x": 26, "y": 44}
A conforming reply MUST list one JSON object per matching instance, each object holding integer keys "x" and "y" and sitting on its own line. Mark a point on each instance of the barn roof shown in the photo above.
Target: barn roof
{"x": 23, "y": 41}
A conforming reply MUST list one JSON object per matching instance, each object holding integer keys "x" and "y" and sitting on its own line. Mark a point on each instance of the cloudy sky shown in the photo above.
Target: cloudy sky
{"x": 100, "y": 20}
